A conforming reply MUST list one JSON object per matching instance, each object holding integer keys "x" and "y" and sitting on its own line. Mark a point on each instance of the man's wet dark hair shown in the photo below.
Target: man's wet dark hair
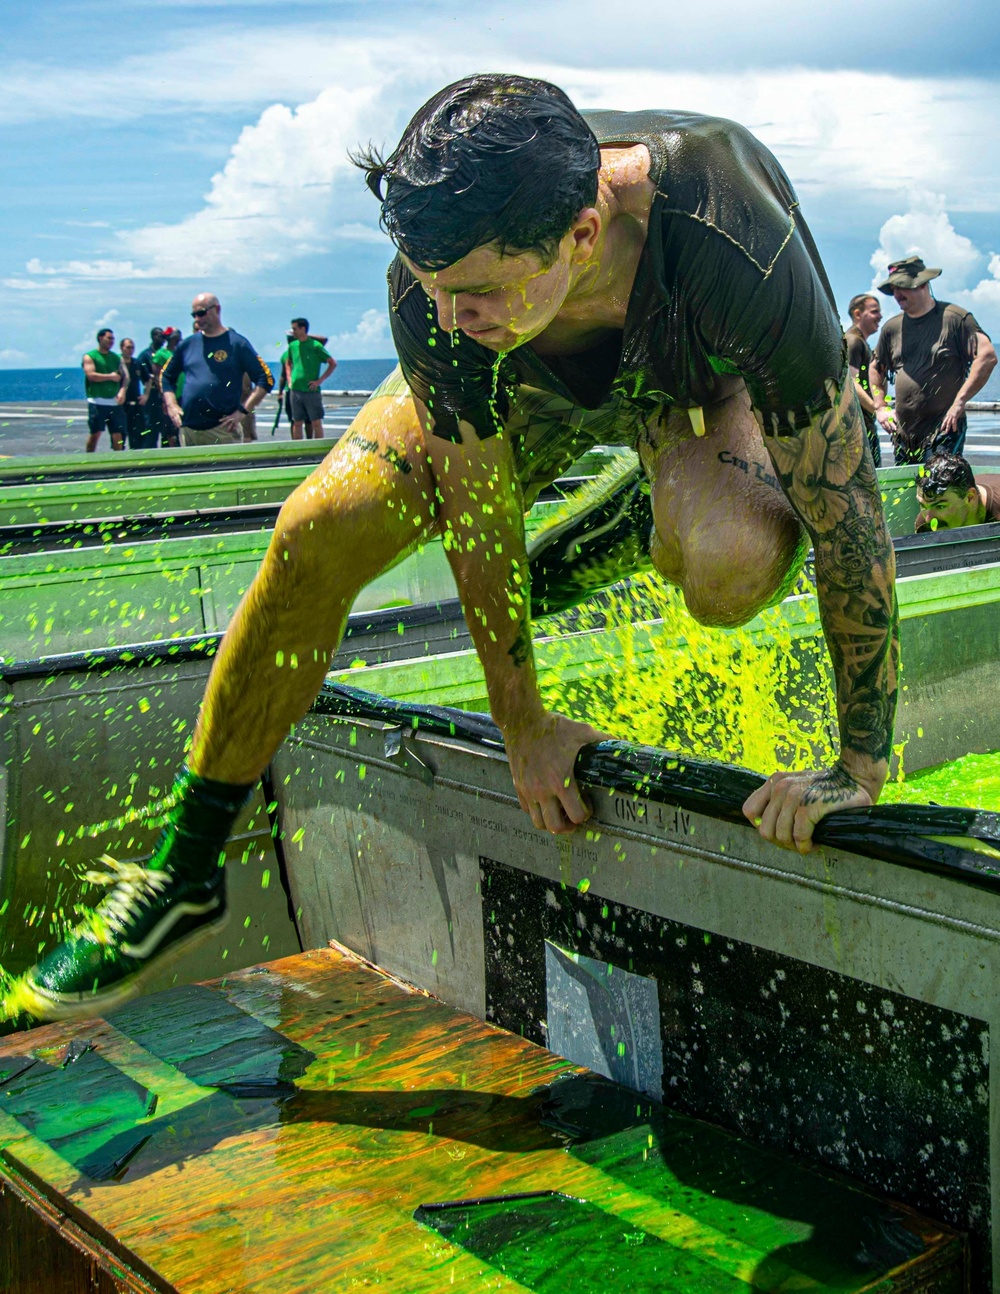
{"x": 303, "y": 323}
{"x": 103, "y": 332}
{"x": 491, "y": 159}
{"x": 945, "y": 472}
{"x": 858, "y": 302}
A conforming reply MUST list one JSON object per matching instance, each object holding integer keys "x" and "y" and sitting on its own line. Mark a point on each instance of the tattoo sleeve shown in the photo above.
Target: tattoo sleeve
{"x": 829, "y": 477}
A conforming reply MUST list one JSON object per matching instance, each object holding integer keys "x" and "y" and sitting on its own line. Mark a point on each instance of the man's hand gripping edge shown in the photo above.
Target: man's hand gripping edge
{"x": 542, "y": 752}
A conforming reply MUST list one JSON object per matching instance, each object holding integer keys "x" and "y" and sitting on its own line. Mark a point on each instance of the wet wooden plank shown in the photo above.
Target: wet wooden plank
{"x": 278, "y": 1130}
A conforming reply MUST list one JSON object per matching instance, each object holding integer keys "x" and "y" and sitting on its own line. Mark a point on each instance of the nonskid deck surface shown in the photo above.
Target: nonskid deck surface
{"x": 60, "y": 426}
{"x": 53, "y": 427}
{"x": 300, "y": 1126}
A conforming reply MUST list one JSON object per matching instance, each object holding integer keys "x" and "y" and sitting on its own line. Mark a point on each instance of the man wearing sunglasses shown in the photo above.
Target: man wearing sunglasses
{"x": 213, "y": 362}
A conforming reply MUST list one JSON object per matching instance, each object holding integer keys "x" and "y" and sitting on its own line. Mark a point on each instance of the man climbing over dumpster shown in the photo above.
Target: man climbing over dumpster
{"x": 561, "y": 281}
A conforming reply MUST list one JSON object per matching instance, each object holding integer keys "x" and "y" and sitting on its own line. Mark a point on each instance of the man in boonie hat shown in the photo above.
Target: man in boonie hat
{"x": 908, "y": 273}
{"x": 938, "y": 356}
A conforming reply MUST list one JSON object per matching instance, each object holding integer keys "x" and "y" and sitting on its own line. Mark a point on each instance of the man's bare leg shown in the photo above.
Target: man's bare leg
{"x": 316, "y": 429}
{"x": 296, "y": 431}
{"x": 369, "y": 503}
{"x": 724, "y": 531}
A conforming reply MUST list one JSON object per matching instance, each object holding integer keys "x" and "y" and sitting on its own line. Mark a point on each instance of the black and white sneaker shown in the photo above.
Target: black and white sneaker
{"x": 148, "y": 917}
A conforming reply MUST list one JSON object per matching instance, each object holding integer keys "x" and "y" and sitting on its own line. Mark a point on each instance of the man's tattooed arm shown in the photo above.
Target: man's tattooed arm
{"x": 827, "y": 472}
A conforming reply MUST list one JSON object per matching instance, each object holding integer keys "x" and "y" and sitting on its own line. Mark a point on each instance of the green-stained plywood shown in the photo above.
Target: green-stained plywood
{"x": 63, "y": 467}
{"x": 203, "y": 460}
{"x": 136, "y": 494}
{"x": 299, "y": 1126}
{"x": 122, "y": 593}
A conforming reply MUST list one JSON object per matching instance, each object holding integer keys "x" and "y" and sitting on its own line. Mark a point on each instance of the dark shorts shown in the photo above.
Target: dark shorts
{"x": 158, "y": 425}
{"x": 111, "y": 416}
{"x": 307, "y": 406}
{"x": 549, "y": 434}
{"x": 139, "y": 435}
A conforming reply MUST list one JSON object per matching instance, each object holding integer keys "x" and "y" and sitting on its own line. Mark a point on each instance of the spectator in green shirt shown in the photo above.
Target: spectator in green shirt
{"x": 102, "y": 371}
{"x": 301, "y": 362}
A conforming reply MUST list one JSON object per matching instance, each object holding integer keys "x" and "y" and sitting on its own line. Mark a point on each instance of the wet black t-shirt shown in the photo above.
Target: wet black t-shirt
{"x": 859, "y": 355}
{"x": 729, "y": 283}
{"x": 929, "y": 358}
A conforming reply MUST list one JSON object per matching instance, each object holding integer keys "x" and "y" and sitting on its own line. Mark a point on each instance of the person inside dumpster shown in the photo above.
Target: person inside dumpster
{"x": 950, "y": 495}
{"x": 561, "y": 281}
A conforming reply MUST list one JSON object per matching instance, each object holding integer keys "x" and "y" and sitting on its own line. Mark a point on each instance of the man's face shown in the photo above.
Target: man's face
{"x": 913, "y": 301}
{"x": 128, "y": 348}
{"x": 156, "y": 338}
{"x": 105, "y": 341}
{"x": 869, "y": 317}
{"x": 947, "y": 510}
{"x": 499, "y": 301}
{"x": 298, "y": 332}
{"x": 204, "y": 313}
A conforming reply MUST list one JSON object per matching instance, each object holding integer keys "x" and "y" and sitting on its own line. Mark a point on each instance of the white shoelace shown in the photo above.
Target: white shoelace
{"x": 133, "y": 886}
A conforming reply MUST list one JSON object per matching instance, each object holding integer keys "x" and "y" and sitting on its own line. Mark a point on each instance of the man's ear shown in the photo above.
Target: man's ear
{"x": 585, "y": 232}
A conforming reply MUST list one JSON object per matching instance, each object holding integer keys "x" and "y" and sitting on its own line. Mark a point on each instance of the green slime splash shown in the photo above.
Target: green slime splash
{"x": 759, "y": 696}
{"x": 971, "y": 782}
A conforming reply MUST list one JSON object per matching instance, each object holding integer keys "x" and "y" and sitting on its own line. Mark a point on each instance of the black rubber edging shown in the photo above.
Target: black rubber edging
{"x": 899, "y": 833}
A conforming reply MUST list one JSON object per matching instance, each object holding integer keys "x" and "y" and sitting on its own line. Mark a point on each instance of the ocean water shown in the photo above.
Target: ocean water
{"x": 44, "y": 384}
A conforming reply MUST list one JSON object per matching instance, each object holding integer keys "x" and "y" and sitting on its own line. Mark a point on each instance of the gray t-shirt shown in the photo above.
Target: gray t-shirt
{"x": 929, "y": 358}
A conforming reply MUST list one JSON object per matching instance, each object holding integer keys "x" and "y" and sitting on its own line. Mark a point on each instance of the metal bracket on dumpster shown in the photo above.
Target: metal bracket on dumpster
{"x": 401, "y": 752}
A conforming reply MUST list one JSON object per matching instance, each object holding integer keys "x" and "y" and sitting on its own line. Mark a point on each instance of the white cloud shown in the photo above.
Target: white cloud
{"x": 851, "y": 132}
{"x": 926, "y": 230}
{"x": 18, "y": 284}
{"x": 99, "y": 269}
{"x": 274, "y": 200}
{"x": 288, "y": 190}
{"x": 370, "y": 339}
{"x": 236, "y": 68}
{"x": 11, "y": 356}
{"x": 89, "y": 339}
{"x": 984, "y": 299}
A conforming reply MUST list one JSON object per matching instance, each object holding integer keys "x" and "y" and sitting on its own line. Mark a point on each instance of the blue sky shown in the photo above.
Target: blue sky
{"x": 149, "y": 152}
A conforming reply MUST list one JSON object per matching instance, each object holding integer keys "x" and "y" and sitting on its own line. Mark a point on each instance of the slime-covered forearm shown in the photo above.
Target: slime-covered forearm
{"x": 830, "y": 480}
